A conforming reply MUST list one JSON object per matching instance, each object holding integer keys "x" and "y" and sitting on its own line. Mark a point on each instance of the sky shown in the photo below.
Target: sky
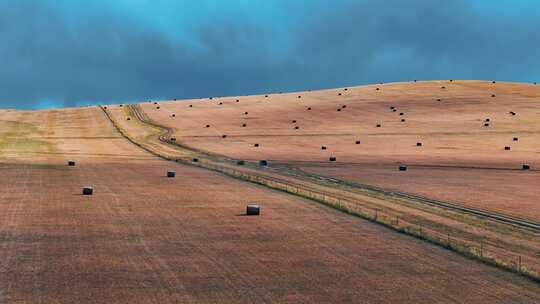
{"x": 66, "y": 53}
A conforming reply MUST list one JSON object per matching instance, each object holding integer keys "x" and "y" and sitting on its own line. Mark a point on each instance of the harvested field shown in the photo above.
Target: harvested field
{"x": 449, "y": 123}
{"x": 143, "y": 238}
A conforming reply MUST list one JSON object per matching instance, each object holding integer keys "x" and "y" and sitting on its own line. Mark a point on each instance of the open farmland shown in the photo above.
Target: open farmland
{"x": 463, "y": 127}
{"x": 144, "y": 238}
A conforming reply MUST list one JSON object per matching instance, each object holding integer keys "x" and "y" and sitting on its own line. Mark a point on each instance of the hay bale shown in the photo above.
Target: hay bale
{"x": 207, "y": 126}
{"x": 263, "y": 163}
{"x": 323, "y": 147}
{"x": 507, "y": 148}
{"x": 403, "y": 120}
{"x": 339, "y": 94}
{"x": 402, "y": 168}
{"x": 220, "y": 103}
{"x": 345, "y": 89}
{"x": 526, "y": 167}
{"x": 332, "y": 158}
{"x": 246, "y": 113}
{"x": 173, "y": 138}
{"x": 339, "y": 110}
{"x": 238, "y": 100}
{"x": 443, "y": 87}
{"x": 516, "y": 139}
{"x": 309, "y": 108}
{"x": 87, "y": 190}
{"x": 438, "y": 99}
{"x": 195, "y": 160}
{"x": 223, "y": 136}
{"x": 394, "y": 110}
{"x": 492, "y": 95}
{"x": 357, "y": 142}
{"x": 265, "y": 96}
{"x": 121, "y": 105}
{"x": 294, "y": 121}
{"x": 171, "y": 174}
{"x": 173, "y": 115}
{"x": 401, "y": 114}
{"x": 493, "y": 82}
{"x": 71, "y": 163}
{"x": 451, "y": 80}
{"x": 129, "y": 118}
{"x": 253, "y": 210}
{"x": 487, "y": 120}
{"x": 256, "y": 145}
{"x": 379, "y": 125}
{"x": 297, "y": 127}
{"x": 486, "y": 124}
{"x": 191, "y": 106}
{"x": 240, "y": 162}
{"x": 155, "y": 103}
{"x": 344, "y": 106}
{"x": 244, "y": 125}
{"x": 105, "y": 108}
{"x": 299, "y": 96}
{"x": 418, "y": 144}
{"x": 377, "y": 89}
{"x": 158, "y": 108}
{"x": 512, "y": 113}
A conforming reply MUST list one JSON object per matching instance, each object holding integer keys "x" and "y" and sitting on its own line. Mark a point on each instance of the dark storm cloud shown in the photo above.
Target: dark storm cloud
{"x": 68, "y": 53}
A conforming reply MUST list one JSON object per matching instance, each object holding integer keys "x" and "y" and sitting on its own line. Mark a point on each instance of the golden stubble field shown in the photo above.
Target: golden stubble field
{"x": 460, "y": 159}
{"x": 144, "y": 238}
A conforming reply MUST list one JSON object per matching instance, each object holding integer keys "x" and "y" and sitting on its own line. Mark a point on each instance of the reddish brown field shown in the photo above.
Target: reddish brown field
{"x": 460, "y": 159}
{"x": 144, "y": 238}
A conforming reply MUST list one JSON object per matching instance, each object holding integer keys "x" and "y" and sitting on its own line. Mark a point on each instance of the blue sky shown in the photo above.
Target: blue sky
{"x": 60, "y": 53}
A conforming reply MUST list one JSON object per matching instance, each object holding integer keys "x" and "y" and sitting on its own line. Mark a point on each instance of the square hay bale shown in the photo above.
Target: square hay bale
{"x": 332, "y": 158}
{"x": 438, "y": 99}
{"x": 516, "y": 139}
{"x": 379, "y": 125}
{"x": 339, "y": 110}
{"x": 256, "y": 145}
{"x": 220, "y": 103}
{"x": 129, "y": 118}
{"x": 263, "y": 163}
{"x": 377, "y": 89}
{"x": 418, "y": 144}
{"x": 265, "y": 96}
{"x": 244, "y": 125}
{"x": 253, "y": 210}
{"x": 158, "y": 108}
{"x": 401, "y": 114}
{"x": 87, "y": 190}
{"x": 240, "y": 162}
{"x": 105, "y": 107}
{"x": 345, "y": 89}
{"x": 294, "y": 121}
{"x": 344, "y": 106}
{"x": 507, "y": 148}
{"x": 171, "y": 174}
{"x": 246, "y": 113}
{"x": 191, "y": 106}
{"x": 224, "y": 136}
{"x": 195, "y": 160}
{"x": 443, "y": 87}
{"x": 512, "y": 113}
{"x": 121, "y": 105}
{"x": 526, "y": 167}
{"x": 173, "y": 138}
{"x": 486, "y": 124}
{"x": 309, "y": 108}
{"x": 339, "y": 94}
{"x": 238, "y": 100}
{"x": 487, "y": 120}
{"x": 402, "y": 120}
{"x": 297, "y": 127}
{"x": 402, "y": 168}
{"x": 323, "y": 147}
{"x": 357, "y": 142}
{"x": 299, "y": 96}
{"x": 155, "y": 103}
{"x": 173, "y": 115}
{"x": 207, "y": 126}
{"x": 71, "y": 163}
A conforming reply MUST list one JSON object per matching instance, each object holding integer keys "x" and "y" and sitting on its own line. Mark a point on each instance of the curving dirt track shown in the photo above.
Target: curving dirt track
{"x": 143, "y": 238}
{"x": 460, "y": 159}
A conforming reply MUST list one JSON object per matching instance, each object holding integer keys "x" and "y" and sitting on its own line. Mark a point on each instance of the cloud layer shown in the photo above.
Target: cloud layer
{"x": 71, "y": 52}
